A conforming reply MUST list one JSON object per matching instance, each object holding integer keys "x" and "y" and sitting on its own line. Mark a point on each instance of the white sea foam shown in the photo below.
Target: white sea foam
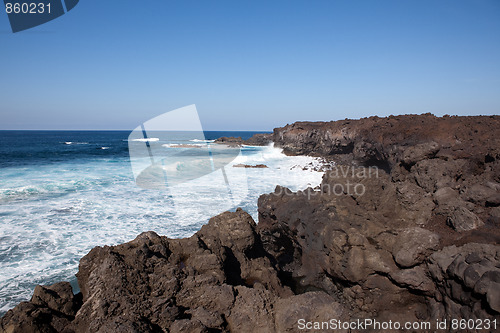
{"x": 147, "y": 140}
{"x": 198, "y": 140}
{"x": 183, "y": 145}
{"x": 52, "y": 215}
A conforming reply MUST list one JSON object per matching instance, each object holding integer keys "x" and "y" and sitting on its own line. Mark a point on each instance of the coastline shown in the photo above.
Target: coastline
{"x": 55, "y": 207}
{"x": 419, "y": 244}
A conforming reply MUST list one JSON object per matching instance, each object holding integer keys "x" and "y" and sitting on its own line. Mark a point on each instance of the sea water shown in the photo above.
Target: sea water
{"x": 64, "y": 192}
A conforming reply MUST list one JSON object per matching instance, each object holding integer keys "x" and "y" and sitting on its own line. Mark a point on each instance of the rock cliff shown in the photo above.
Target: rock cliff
{"x": 404, "y": 227}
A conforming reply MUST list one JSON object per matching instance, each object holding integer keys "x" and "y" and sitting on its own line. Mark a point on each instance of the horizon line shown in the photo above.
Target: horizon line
{"x": 126, "y": 130}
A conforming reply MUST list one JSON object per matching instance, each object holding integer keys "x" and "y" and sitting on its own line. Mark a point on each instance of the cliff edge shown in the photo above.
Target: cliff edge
{"x": 404, "y": 227}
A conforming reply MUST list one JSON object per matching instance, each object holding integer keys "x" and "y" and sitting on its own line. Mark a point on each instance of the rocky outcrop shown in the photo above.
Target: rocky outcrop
{"x": 230, "y": 141}
{"x": 455, "y": 161}
{"x": 259, "y": 139}
{"x": 220, "y": 279}
{"x": 257, "y": 166}
{"x": 380, "y": 262}
{"x": 467, "y": 279}
{"x": 391, "y": 225}
{"x": 51, "y": 309}
{"x": 389, "y": 141}
{"x": 404, "y": 227}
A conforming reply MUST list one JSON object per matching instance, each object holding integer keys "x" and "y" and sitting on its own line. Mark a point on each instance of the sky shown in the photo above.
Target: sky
{"x": 250, "y": 65}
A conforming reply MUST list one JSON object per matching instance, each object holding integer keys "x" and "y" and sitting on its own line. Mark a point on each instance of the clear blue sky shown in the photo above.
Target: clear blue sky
{"x": 250, "y": 65}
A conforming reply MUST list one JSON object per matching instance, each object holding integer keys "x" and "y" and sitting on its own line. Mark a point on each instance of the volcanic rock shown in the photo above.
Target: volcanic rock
{"x": 404, "y": 227}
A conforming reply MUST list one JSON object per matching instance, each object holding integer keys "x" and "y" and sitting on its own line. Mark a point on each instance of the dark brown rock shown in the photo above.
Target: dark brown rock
{"x": 51, "y": 309}
{"x": 413, "y": 245}
{"x": 259, "y": 139}
{"x": 231, "y": 141}
{"x": 462, "y": 219}
{"x": 58, "y": 297}
{"x": 404, "y": 226}
{"x": 457, "y": 271}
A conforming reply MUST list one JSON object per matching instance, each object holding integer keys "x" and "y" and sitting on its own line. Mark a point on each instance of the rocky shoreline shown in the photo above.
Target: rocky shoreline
{"x": 260, "y": 139}
{"x": 404, "y": 227}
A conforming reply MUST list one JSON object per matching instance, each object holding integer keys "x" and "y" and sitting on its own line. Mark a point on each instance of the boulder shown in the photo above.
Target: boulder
{"x": 454, "y": 208}
{"x": 51, "y": 309}
{"x": 483, "y": 195}
{"x": 57, "y": 297}
{"x": 420, "y": 152}
{"x": 467, "y": 278}
{"x": 415, "y": 278}
{"x": 462, "y": 219}
{"x": 413, "y": 245}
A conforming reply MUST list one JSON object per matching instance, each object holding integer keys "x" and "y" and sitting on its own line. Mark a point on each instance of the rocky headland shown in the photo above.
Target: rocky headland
{"x": 404, "y": 227}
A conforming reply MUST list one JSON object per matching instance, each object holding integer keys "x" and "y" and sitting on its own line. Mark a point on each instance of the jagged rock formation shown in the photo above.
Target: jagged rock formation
{"x": 452, "y": 161}
{"x": 220, "y": 279}
{"x": 260, "y": 139}
{"x": 404, "y": 227}
{"x": 411, "y": 205}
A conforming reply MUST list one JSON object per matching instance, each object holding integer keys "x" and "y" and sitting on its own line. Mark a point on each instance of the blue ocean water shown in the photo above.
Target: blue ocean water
{"x": 64, "y": 192}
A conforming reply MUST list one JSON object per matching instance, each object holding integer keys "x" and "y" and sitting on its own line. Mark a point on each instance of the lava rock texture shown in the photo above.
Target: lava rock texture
{"x": 404, "y": 227}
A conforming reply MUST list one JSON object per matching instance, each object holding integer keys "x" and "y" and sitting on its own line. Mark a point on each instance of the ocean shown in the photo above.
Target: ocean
{"x": 64, "y": 192}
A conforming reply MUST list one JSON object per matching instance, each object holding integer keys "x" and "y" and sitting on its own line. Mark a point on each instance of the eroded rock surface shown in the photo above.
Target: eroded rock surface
{"x": 404, "y": 227}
